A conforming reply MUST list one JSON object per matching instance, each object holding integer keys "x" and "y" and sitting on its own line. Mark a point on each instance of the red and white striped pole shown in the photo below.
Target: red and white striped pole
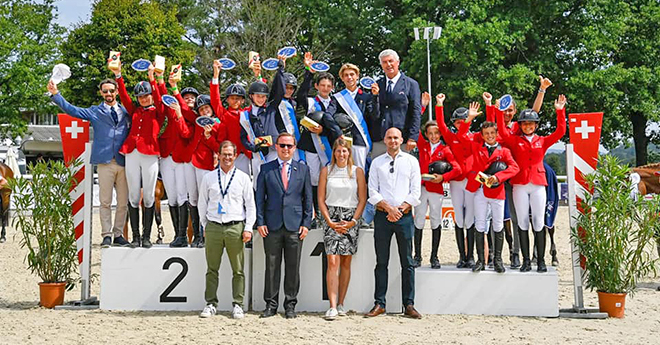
{"x": 76, "y": 145}
{"x": 581, "y": 160}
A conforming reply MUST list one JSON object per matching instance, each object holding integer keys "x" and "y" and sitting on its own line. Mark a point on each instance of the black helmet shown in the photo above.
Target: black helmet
{"x": 459, "y": 114}
{"x": 258, "y": 88}
{"x": 142, "y": 88}
{"x": 235, "y": 90}
{"x": 191, "y": 90}
{"x": 290, "y": 79}
{"x": 496, "y": 167}
{"x": 440, "y": 167}
{"x": 201, "y": 101}
{"x": 343, "y": 121}
{"x": 528, "y": 115}
{"x": 316, "y": 116}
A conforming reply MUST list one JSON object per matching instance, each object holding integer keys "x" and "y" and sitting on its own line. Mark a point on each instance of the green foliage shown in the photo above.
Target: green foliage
{"x": 223, "y": 28}
{"x": 45, "y": 221}
{"x": 136, "y": 28}
{"x": 28, "y": 47}
{"x": 616, "y": 235}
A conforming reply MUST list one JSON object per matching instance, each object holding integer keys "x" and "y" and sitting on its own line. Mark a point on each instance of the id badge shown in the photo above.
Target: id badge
{"x": 221, "y": 210}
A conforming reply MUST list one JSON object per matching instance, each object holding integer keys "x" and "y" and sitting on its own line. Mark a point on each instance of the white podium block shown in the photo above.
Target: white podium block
{"x": 460, "y": 291}
{"x": 163, "y": 278}
{"x": 360, "y": 295}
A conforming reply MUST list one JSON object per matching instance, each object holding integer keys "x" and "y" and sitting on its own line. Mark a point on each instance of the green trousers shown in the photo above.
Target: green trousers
{"x": 218, "y": 238}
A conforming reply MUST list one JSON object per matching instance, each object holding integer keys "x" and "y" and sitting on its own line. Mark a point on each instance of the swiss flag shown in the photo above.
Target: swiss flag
{"x": 584, "y": 134}
{"x": 75, "y": 133}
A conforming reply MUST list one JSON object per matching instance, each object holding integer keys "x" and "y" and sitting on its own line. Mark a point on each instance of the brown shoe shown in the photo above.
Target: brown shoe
{"x": 412, "y": 313}
{"x": 375, "y": 311}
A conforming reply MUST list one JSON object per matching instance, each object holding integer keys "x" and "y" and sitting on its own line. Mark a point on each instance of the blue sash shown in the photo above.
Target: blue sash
{"x": 289, "y": 118}
{"x": 321, "y": 143}
{"x": 347, "y": 102}
{"x": 245, "y": 123}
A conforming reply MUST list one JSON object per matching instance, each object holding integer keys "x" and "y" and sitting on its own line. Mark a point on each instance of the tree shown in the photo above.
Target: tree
{"x": 136, "y": 28}
{"x": 222, "y": 28}
{"x": 28, "y": 48}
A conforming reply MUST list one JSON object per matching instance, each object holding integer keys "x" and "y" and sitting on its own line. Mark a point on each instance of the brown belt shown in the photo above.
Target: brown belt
{"x": 383, "y": 210}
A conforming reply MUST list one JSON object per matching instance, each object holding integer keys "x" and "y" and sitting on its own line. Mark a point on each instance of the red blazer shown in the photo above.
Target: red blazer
{"x": 231, "y": 118}
{"x": 461, "y": 152}
{"x": 529, "y": 155}
{"x": 482, "y": 161}
{"x": 170, "y": 137}
{"x": 145, "y": 122}
{"x": 203, "y": 154}
{"x": 514, "y": 129}
{"x": 183, "y": 148}
{"x": 427, "y": 157}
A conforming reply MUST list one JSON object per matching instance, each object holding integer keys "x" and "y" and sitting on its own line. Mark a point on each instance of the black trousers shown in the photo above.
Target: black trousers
{"x": 282, "y": 242}
{"x": 403, "y": 230}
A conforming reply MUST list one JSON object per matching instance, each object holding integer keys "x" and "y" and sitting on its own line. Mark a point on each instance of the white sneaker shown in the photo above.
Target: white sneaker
{"x": 208, "y": 311}
{"x": 331, "y": 314}
{"x": 340, "y": 310}
{"x": 237, "y": 312}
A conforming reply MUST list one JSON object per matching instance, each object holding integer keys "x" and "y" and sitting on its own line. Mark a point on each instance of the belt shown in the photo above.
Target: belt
{"x": 230, "y": 223}
{"x": 383, "y": 210}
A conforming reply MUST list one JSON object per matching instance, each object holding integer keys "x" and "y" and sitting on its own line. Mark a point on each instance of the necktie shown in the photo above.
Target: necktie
{"x": 285, "y": 180}
{"x": 491, "y": 149}
{"x": 113, "y": 113}
{"x": 389, "y": 86}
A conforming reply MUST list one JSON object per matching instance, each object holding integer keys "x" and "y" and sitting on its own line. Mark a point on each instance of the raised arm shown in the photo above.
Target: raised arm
{"x": 56, "y": 97}
{"x": 125, "y": 99}
{"x": 214, "y": 90}
{"x": 488, "y": 100}
{"x": 545, "y": 83}
{"x": 440, "y": 117}
{"x": 560, "y": 107}
{"x": 502, "y": 130}
{"x": 303, "y": 91}
{"x": 278, "y": 88}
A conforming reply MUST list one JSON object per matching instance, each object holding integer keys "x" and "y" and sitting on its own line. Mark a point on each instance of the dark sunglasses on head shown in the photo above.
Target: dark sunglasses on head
{"x": 108, "y": 91}
{"x": 391, "y": 166}
{"x": 286, "y": 146}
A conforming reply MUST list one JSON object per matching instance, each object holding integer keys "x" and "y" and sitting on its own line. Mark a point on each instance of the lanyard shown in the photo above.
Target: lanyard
{"x": 226, "y": 190}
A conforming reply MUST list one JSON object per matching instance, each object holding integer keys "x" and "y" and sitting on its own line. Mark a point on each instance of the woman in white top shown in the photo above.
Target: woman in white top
{"x": 342, "y": 196}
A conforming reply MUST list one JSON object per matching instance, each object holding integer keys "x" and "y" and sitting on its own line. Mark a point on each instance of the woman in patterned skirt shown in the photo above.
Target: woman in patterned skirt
{"x": 342, "y": 196}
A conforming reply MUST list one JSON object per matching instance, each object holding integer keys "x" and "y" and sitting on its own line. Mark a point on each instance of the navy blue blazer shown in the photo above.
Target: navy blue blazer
{"x": 108, "y": 136}
{"x": 364, "y": 101}
{"x": 401, "y": 109}
{"x": 277, "y": 208}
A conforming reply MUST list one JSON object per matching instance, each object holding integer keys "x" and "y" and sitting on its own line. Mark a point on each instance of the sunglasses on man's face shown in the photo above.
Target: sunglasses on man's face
{"x": 108, "y": 91}
{"x": 286, "y": 146}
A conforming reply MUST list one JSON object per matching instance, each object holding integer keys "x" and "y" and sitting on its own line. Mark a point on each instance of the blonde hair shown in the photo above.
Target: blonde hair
{"x": 348, "y": 66}
{"x": 342, "y": 143}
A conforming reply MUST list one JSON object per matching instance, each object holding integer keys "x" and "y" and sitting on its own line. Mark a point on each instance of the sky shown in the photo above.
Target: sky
{"x": 73, "y": 11}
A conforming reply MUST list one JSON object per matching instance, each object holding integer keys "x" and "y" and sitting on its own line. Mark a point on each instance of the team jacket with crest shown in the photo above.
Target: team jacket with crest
{"x": 462, "y": 153}
{"x": 145, "y": 122}
{"x": 203, "y": 156}
{"x": 529, "y": 154}
{"x": 482, "y": 160}
{"x": 183, "y": 148}
{"x": 176, "y": 128}
{"x": 427, "y": 157}
{"x": 231, "y": 119}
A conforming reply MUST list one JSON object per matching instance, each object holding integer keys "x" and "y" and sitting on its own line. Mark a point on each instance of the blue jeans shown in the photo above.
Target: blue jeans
{"x": 403, "y": 229}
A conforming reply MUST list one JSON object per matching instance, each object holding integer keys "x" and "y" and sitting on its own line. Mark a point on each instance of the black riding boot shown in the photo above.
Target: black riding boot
{"x": 460, "y": 243}
{"x": 469, "y": 262}
{"x": 479, "y": 239}
{"x": 499, "y": 244}
{"x": 174, "y": 214}
{"x": 197, "y": 242}
{"x": 147, "y": 221}
{"x": 539, "y": 242}
{"x": 435, "y": 243}
{"x": 417, "y": 259}
{"x": 524, "y": 248}
{"x": 553, "y": 247}
{"x": 491, "y": 252}
{"x": 181, "y": 239}
{"x": 134, "y": 220}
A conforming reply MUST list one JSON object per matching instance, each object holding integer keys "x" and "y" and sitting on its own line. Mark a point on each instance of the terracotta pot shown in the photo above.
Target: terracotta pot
{"x": 613, "y": 304}
{"x": 51, "y": 294}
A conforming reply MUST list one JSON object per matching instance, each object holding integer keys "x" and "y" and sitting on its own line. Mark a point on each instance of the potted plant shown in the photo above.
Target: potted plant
{"x": 615, "y": 235}
{"x": 45, "y": 223}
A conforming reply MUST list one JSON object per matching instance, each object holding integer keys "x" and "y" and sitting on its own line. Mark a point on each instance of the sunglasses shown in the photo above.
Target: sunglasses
{"x": 286, "y": 146}
{"x": 108, "y": 91}
{"x": 391, "y": 167}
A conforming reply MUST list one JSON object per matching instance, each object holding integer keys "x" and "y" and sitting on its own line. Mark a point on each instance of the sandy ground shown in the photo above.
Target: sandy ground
{"x": 22, "y": 321}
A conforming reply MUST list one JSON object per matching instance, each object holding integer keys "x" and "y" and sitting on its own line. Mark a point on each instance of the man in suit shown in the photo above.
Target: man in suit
{"x": 111, "y": 123}
{"x": 284, "y": 215}
{"x": 398, "y": 105}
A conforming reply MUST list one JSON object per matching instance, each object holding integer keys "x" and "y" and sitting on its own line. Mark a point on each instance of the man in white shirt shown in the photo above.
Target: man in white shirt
{"x": 394, "y": 188}
{"x": 227, "y": 213}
